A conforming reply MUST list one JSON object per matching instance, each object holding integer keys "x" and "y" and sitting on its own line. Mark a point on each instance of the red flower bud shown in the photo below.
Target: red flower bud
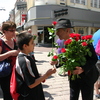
{"x": 86, "y": 37}
{"x": 63, "y": 50}
{"x": 89, "y": 36}
{"x": 69, "y": 72}
{"x": 54, "y": 23}
{"x": 74, "y": 35}
{"x": 84, "y": 44}
{"x": 68, "y": 41}
{"x": 55, "y": 58}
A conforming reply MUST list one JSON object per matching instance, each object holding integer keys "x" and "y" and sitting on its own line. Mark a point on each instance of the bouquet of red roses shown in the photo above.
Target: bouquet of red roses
{"x": 76, "y": 48}
{"x": 73, "y": 55}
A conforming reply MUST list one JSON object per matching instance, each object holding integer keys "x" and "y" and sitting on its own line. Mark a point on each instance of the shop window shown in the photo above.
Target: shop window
{"x": 40, "y": 35}
{"x": 95, "y": 3}
{"x": 72, "y": 1}
{"x": 79, "y": 1}
{"x": 80, "y": 31}
{"x": 91, "y": 31}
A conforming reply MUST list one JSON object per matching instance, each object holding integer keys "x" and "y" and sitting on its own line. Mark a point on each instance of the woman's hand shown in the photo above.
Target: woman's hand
{"x": 13, "y": 52}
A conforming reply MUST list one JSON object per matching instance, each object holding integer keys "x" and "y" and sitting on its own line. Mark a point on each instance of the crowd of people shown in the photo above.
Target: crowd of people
{"x": 18, "y": 49}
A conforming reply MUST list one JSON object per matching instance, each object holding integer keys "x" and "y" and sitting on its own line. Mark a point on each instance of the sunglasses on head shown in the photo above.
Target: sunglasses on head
{"x": 12, "y": 30}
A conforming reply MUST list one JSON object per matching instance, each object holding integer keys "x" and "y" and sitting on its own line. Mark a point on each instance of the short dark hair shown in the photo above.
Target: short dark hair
{"x": 23, "y": 38}
{"x": 8, "y": 24}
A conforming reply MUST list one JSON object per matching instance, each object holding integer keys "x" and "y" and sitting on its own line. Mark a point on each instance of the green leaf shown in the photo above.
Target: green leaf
{"x": 48, "y": 54}
{"x": 83, "y": 59}
{"x": 82, "y": 63}
{"x": 89, "y": 53}
{"x": 53, "y": 35}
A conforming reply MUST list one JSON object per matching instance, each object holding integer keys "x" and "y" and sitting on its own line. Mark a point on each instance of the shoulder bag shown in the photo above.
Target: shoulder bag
{"x": 5, "y": 68}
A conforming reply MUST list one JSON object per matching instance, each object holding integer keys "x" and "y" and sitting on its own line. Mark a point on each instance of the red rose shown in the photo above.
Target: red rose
{"x": 74, "y": 35}
{"x": 86, "y": 37}
{"x": 55, "y": 58}
{"x": 84, "y": 44}
{"x": 77, "y": 38}
{"x": 69, "y": 72}
{"x": 77, "y": 35}
{"x": 89, "y": 36}
{"x": 83, "y": 37}
{"x": 63, "y": 50}
{"x": 54, "y": 23}
{"x": 68, "y": 41}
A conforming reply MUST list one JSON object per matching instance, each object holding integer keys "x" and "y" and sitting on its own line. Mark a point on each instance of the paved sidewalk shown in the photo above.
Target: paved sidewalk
{"x": 56, "y": 87}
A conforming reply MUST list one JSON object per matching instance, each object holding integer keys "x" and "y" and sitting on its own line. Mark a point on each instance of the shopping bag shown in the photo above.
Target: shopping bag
{"x": 5, "y": 68}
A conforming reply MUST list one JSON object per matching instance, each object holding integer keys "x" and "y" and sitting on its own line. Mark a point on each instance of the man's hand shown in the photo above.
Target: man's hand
{"x": 78, "y": 70}
{"x": 54, "y": 62}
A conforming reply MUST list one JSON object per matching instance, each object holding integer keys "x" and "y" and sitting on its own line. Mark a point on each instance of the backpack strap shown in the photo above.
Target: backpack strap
{"x": 22, "y": 84}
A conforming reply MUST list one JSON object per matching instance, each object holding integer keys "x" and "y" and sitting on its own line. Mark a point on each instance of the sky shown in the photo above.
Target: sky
{"x": 8, "y": 5}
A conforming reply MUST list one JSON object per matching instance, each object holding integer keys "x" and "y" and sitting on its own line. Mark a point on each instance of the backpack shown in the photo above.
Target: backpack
{"x": 13, "y": 85}
{"x": 97, "y": 49}
{"x": 13, "y": 80}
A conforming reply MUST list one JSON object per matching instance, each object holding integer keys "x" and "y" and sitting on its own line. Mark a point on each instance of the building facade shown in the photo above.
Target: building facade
{"x": 20, "y": 13}
{"x": 84, "y": 16}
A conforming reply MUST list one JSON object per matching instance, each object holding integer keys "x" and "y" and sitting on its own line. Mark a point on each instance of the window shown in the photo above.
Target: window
{"x": 79, "y": 1}
{"x": 83, "y": 2}
{"x": 91, "y": 3}
{"x": 99, "y": 3}
{"x": 72, "y": 1}
{"x": 95, "y": 3}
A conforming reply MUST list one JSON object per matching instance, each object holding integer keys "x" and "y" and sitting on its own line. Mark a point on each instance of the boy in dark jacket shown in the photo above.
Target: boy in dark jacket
{"x": 28, "y": 80}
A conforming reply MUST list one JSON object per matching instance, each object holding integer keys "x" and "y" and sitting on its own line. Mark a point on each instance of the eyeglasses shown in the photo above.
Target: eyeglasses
{"x": 12, "y": 30}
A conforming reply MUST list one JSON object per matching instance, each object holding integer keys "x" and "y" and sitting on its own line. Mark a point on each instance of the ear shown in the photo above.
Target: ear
{"x": 4, "y": 31}
{"x": 24, "y": 46}
{"x": 68, "y": 30}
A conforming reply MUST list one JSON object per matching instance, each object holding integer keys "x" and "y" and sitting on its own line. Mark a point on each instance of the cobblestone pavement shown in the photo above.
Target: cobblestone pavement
{"x": 55, "y": 87}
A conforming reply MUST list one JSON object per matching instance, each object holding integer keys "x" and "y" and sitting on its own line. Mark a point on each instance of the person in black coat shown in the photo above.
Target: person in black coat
{"x": 88, "y": 73}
